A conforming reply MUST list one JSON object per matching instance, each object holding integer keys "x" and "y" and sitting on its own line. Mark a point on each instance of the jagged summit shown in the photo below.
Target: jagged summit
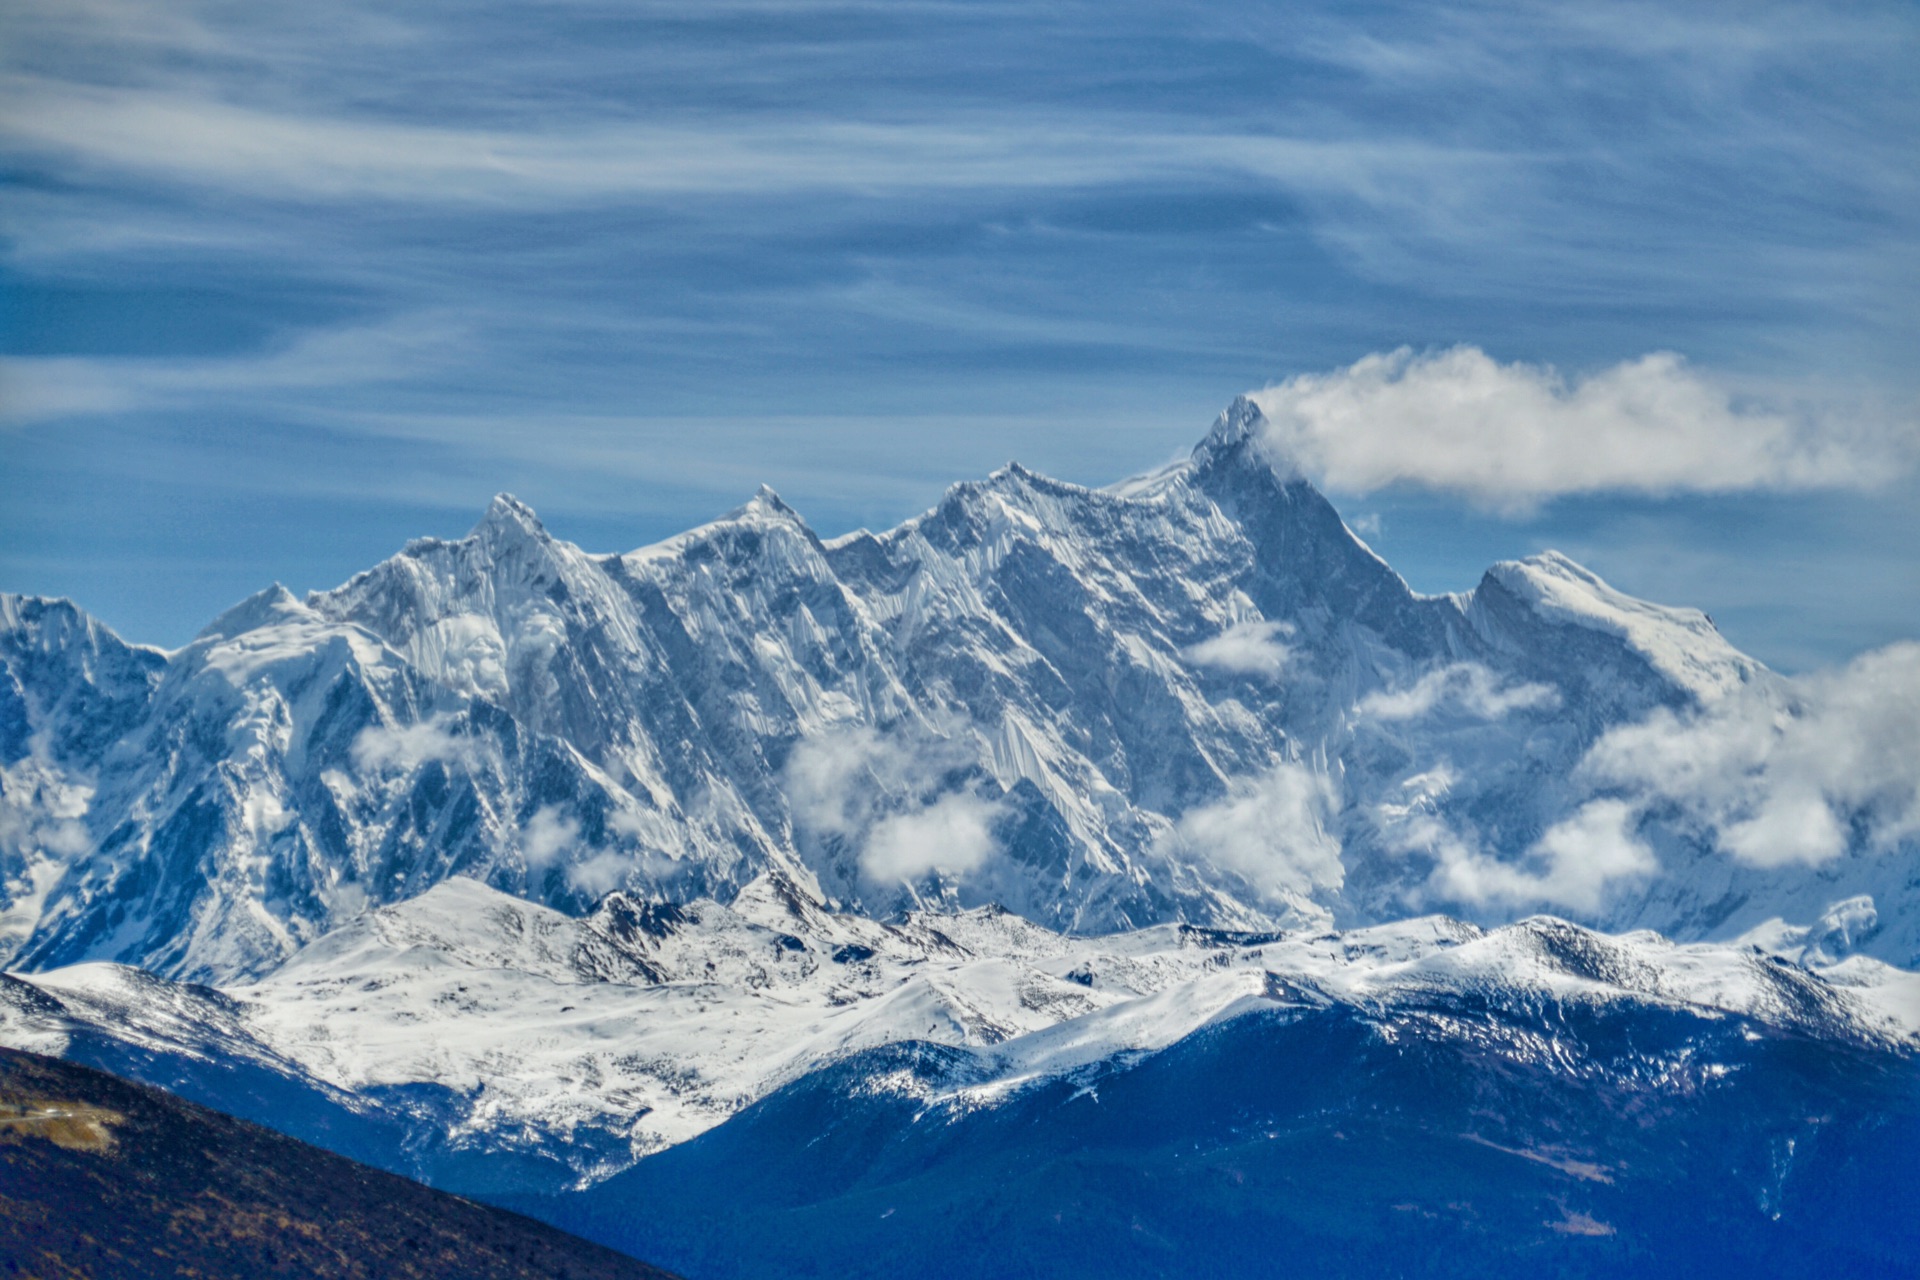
{"x": 1243, "y": 438}
{"x": 51, "y": 618}
{"x": 507, "y": 514}
{"x": 1239, "y": 424}
{"x": 1053, "y": 821}
{"x": 765, "y": 504}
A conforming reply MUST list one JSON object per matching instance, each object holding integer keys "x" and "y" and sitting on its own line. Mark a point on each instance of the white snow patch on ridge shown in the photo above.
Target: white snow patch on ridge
{"x": 1682, "y": 644}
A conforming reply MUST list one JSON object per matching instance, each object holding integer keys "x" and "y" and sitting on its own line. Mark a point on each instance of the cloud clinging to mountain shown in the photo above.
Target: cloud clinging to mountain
{"x": 1508, "y": 435}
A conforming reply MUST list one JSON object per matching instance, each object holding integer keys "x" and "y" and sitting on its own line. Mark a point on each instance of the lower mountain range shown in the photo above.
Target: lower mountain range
{"x": 1137, "y": 881}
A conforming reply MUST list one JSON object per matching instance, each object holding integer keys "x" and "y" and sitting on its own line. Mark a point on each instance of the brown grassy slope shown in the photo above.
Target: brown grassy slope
{"x": 101, "y": 1178}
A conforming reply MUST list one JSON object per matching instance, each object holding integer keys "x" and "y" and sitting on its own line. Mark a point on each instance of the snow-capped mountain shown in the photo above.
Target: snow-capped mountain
{"x": 1193, "y": 697}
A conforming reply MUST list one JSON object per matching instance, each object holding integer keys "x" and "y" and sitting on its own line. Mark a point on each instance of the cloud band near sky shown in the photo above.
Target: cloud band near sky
{"x": 1510, "y": 435}
{"x": 173, "y": 135}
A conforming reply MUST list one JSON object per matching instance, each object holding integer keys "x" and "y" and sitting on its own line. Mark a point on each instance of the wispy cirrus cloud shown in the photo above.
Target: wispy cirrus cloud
{"x": 170, "y": 134}
{"x": 40, "y": 388}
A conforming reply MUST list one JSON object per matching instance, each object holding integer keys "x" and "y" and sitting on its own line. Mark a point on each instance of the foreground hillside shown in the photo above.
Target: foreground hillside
{"x": 101, "y": 1178}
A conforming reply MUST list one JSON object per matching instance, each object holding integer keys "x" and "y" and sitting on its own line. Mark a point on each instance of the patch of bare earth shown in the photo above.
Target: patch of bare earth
{"x": 1575, "y": 1223}
{"x": 76, "y": 1126}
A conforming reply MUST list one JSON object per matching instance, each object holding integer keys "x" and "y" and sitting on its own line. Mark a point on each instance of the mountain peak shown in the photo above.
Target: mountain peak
{"x": 1015, "y": 693}
{"x": 1239, "y": 425}
{"x": 507, "y": 514}
{"x": 57, "y": 619}
{"x": 1242, "y": 437}
{"x": 263, "y": 608}
{"x": 1556, "y": 584}
{"x": 1681, "y": 643}
{"x": 765, "y": 504}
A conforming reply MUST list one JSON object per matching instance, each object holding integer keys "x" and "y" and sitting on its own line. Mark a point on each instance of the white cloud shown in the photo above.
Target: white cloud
{"x": 1271, "y": 830}
{"x": 831, "y": 779}
{"x": 1468, "y": 686}
{"x": 42, "y": 831}
{"x": 1573, "y": 865}
{"x": 550, "y": 837}
{"x": 42, "y": 811}
{"x": 405, "y": 747}
{"x": 1510, "y": 435}
{"x": 264, "y": 815}
{"x": 1777, "y": 778}
{"x": 601, "y": 874}
{"x": 547, "y": 835}
{"x": 1773, "y": 774}
{"x": 647, "y": 826}
{"x": 953, "y": 835}
{"x": 881, "y": 795}
{"x": 1245, "y": 648}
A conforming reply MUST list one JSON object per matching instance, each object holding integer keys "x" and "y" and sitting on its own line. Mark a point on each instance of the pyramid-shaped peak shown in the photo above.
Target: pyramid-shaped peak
{"x": 265, "y": 608}
{"x": 1242, "y": 437}
{"x": 1239, "y": 432}
{"x": 507, "y": 514}
{"x": 1018, "y": 478}
{"x": 1238, "y": 422}
{"x": 765, "y": 504}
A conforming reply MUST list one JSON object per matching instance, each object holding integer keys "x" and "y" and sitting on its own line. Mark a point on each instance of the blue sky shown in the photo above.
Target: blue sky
{"x": 281, "y": 290}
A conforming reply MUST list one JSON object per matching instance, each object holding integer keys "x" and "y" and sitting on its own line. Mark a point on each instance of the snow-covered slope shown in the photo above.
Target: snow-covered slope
{"x": 70, "y": 690}
{"x": 1196, "y": 697}
{"x": 590, "y": 1042}
{"x": 280, "y": 773}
